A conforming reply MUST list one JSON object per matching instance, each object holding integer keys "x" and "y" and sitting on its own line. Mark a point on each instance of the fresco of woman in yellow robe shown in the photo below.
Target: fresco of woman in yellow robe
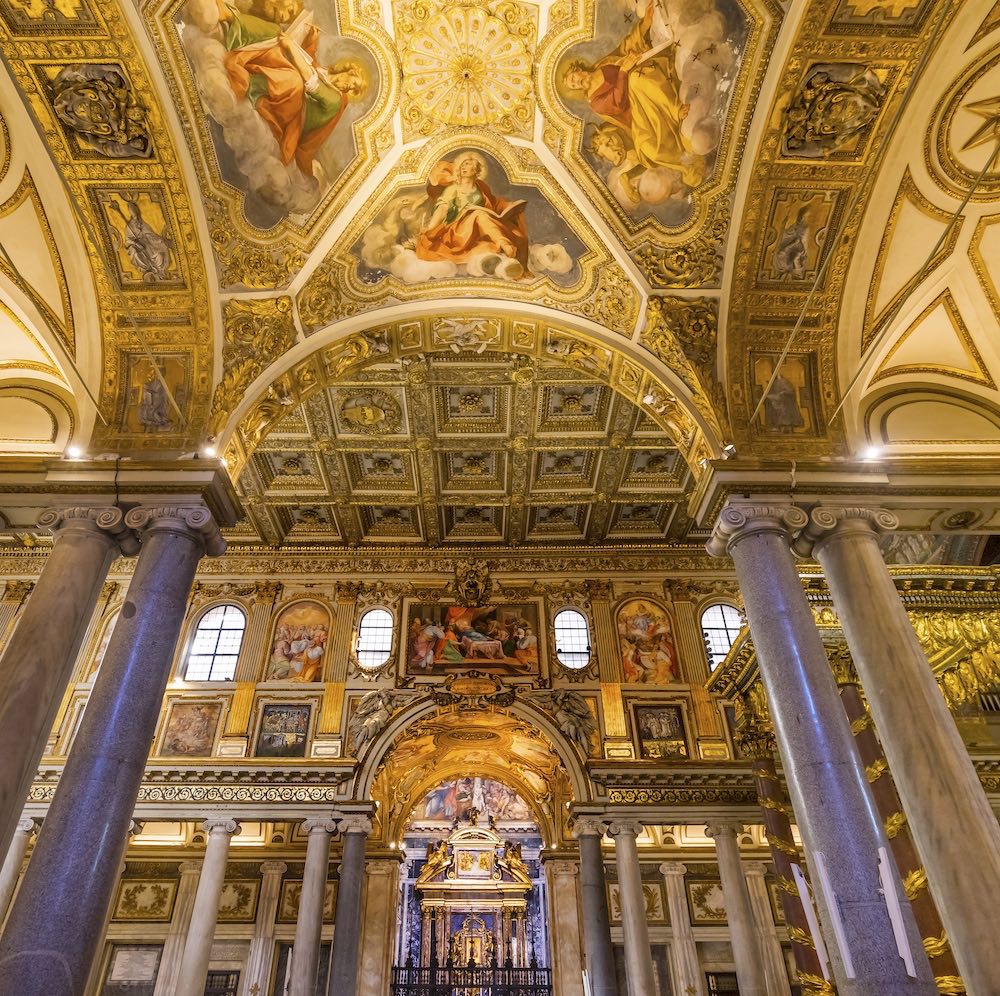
{"x": 635, "y": 87}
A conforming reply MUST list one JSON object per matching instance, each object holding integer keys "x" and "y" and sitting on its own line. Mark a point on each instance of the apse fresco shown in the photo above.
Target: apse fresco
{"x": 646, "y": 639}
{"x": 280, "y": 88}
{"x": 500, "y": 639}
{"x": 466, "y": 219}
{"x": 652, "y": 89}
{"x": 453, "y": 801}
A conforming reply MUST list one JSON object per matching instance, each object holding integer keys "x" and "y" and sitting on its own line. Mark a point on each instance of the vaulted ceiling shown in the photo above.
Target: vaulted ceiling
{"x": 231, "y": 223}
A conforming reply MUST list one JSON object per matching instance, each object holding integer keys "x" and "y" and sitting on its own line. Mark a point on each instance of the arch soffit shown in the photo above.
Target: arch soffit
{"x": 381, "y": 747}
{"x": 411, "y": 331}
{"x": 912, "y": 183}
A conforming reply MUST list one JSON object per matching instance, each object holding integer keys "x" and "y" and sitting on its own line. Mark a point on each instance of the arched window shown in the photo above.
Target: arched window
{"x": 720, "y": 625}
{"x": 572, "y": 639}
{"x": 374, "y": 638}
{"x": 216, "y": 644}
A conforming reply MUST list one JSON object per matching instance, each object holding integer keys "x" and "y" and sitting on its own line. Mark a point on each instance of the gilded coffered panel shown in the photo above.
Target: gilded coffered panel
{"x": 85, "y": 81}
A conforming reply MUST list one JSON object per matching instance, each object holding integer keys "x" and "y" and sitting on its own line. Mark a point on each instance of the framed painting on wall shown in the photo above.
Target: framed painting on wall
{"x": 444, "y": 638}
{"x": 646, "y": 641}
{"x": 283, "y": 730}
{"x": 298, "y": 646}
{"x": 706, "y": 901}
{"x": 660, "y": 731}
{"x": 190, "y": 729}
{"x": 141, "y": 900}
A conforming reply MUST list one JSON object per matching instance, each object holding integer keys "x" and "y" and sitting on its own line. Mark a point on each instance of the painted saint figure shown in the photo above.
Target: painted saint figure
{"x": 298, "y": 99}
{"x": 147, "y": 249}
{"x": 635, "y": 87}
{"x": 468, "y": 219}
{"x": 154, "y": 407}
{"x": 781, "y": 406}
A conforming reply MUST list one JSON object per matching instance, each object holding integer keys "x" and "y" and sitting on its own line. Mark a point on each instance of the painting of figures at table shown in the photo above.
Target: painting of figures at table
{"x": 466, "y": 219}
{"x": 281, "y": 89}
{"x": 453, "y": 800}
{"x": 283, "y": 731}
{"x": 661, "y": 731}
{"x": 190, "y": 729}
{"x": 652, "y": 89}
{"x": 646, "y": 639}
{"x": 501, "y": 639}
{"x": 299, "y": 644}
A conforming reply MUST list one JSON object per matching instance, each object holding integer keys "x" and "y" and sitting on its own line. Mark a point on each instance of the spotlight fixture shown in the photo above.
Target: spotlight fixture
{"x": 872, "y": 453}
{"x": 74, "y": 452}
{"x": 729, "y": 451}
{"x": 209, "y": 451}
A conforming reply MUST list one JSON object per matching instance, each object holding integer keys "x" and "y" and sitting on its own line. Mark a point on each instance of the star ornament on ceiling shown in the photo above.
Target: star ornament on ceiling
{"x": 989, "y": 131}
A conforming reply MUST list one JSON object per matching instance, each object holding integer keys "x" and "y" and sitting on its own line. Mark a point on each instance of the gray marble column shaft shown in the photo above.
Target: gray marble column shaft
{"x": 260, "y": 960}
{"x": 54, "y": 929}
{"x": 37, "y": 662}
{"x": 775, "y": 966}
{"x": 180, "y": 922}
{"x": 826, "y": 780}
{"x": 739, "y": 912}
{"x": 946, "y": 808}
{"x": 638, "y": 956}
{"x": 596, "y": 918}
{"x": 347, "y": 923}
{"x": 689, "y": 979}
{"x": 11, "y": 870}
{"x": 309, "y": 922}
{"x": 594, "y": 903}
{"x": 205, "y": 914}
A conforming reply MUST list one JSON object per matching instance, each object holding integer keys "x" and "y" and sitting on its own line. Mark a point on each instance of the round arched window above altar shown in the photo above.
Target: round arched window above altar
{"x": 572, "y": 639}
{"x": 374, "y": 638}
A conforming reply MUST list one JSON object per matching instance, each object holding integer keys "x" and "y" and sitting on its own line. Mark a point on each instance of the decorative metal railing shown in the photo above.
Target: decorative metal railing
{"x": 471, "y": 980}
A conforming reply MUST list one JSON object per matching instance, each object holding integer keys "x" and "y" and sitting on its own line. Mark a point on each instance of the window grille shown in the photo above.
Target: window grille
{"x": 572, "y": 639}
{"x": 216, "y": 644}
{"x": 374, "y": 638}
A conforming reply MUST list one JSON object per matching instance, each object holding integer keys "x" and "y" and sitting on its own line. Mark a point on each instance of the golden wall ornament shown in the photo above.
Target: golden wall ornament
{"x": 473, "y": 583}
{"x": 256, "y": 333}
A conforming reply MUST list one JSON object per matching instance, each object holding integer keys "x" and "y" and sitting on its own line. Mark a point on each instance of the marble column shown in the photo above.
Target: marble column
{"x": 594, "y": 903}
{"x": 948, "y": 813}
{"x": 775, "y": 968}
{"x": 380, "y": 910}
{"x": 739, "y": 912}
{"x": 309, "y": 922}
{"x": 688, "y": 978}
{"x": 260, "y": 960}
{"x": 347, "y": 924}
{"x": 180, "y": 922}
{"x": 638, "y": 956}
{"x": 54, "y": 929}
{"x": 11, "y": 870}
{"x": 49, "y": 632}
{"x": 205, "y": 914}
{"x": 830, "y": 793}
{"x": 564, "y": 925}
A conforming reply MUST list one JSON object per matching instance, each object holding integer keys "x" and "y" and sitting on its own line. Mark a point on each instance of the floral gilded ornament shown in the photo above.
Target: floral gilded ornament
{"x": 467, "y": 64}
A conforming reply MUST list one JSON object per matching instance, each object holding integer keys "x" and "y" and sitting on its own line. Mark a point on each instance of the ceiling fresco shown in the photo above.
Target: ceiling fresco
{"x": 283, "y": 200}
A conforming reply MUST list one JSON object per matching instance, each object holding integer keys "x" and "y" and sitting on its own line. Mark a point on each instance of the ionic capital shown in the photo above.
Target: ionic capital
{"x": 739, "y": 521}
{"x": 26, "y": 825}
{"x": 754, "y": 869}
{"x": 190, "y": 868}
{"x": 673, "y": 869}
{"x": 826, "y": 521}
{"x": 724, "y": 828}
{"x": 624, "y": 828}
{"x": 189, "y": 520}
{"x": 319, "y": 825}
{"x": 273, "y": 868}
{"x": 589, "y": 826}
{"x": 107, "y": 521}
{"x": 355, "y": 824}
{"x": 223, "y": 824}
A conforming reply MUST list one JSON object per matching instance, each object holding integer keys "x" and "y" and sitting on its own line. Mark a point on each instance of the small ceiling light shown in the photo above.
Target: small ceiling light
{"x": 872, "y": 453}
{"x": 729, "y": 450}
{"x": 209, "y": 451}
{"x": 74, "y": 452}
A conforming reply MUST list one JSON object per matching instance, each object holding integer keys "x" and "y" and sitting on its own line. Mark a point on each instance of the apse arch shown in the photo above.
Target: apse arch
{"x": 378, "y": 750}
{"x": 246, "y": 412}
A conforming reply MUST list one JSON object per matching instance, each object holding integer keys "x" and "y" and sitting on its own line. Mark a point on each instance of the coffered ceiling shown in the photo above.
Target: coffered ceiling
{"x": 464, "y": 453}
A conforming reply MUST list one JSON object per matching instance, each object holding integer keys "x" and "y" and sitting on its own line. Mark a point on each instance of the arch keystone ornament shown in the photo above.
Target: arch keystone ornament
{"x": 937, "y": 783}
